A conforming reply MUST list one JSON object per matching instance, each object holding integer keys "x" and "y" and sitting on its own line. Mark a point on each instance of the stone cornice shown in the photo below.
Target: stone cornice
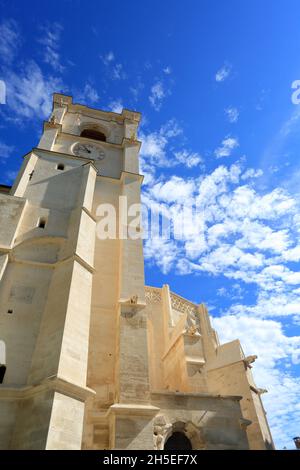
{"x": 173, "y": 395}
{"x": 132, "y": 409}
{"x": 55, "y": 383}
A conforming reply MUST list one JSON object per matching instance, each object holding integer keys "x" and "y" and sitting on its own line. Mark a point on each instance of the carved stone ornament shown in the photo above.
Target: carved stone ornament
{"x": 160, "y": 430}
{"x": 53, "y": 119}
{"x": 249, "y": 360}
{"x": 62, "y": 102}
{"x": 192, "y": 325}
{"x": 153, "y": 296}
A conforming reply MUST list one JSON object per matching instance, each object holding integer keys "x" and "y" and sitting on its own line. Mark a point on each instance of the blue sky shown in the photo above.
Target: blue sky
{"x": 213, "y": 82}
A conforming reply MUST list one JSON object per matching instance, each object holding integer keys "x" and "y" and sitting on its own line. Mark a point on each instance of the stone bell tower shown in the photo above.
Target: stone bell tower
{"x": 90, "y": 357}
{"x": 63, "y": 291}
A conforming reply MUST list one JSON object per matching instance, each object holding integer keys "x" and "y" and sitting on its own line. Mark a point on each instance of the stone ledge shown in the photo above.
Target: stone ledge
{"x": 57, "y": 384}
{"x": 196, "y": 395}
{"x": 132, "y": 409}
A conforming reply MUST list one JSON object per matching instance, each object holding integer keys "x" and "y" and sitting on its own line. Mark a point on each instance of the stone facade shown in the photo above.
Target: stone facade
{"x": 90, "y": 357}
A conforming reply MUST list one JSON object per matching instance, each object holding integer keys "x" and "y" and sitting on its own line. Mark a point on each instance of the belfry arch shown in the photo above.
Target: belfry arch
{"x": 178, "y": 441}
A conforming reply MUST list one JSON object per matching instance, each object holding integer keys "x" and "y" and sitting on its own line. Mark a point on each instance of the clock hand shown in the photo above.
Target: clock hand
{"x": 85, "y": 147}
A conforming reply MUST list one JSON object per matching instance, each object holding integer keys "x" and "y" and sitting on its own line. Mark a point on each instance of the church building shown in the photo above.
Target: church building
{"x": 91, "y": 357}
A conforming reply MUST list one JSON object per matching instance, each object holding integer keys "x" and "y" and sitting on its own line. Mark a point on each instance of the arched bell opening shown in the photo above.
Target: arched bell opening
{"x": 178, "y": 441}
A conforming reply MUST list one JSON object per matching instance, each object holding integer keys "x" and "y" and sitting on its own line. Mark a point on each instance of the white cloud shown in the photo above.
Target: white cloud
{"x": 167, "y": 70}
{"x": 50, "y": 39}
{"x": 116, "y": 70}
{"x": 251, "y": 173}
{"x": 161, "y": 252}
{"x": 116, "y": 106}
{"x": 30, "y": 92}
{"x": 10, "y": 40}
{"x": 247, "y": 236}
{"x": 155, "y": 144}
{"x": 272, "y": 304}
{"x": 232, "y": 114}
{"x": 137, "y": 88}
{"x": 189, "y": 159}
{"x": 10, "y": 176}
{"x": 5, "y": 151}
{"x": 176, "y": 189}
{"x": 88, "y": 95}
{"x": 108, "y": 58}
{"x": 157, "y": 95}
{"x": 223, "y": 73}
{"x": 222, "y": 292}
{"x": 267, "y": 339}
{"x": 227, "y": 146}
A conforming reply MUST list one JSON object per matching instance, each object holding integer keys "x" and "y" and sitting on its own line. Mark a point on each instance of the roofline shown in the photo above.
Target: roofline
{"x": 112, "y": 113}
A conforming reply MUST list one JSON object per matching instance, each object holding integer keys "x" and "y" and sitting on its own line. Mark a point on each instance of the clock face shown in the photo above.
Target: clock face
{"x": 88, "y": 151}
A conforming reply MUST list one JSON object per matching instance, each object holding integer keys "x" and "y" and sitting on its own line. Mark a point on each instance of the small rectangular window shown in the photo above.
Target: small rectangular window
{"x": 10, "y": 311}
{"x": 60, "y": 166}
{"x": 2, "y": 372}
{"x": 42, "y": 222}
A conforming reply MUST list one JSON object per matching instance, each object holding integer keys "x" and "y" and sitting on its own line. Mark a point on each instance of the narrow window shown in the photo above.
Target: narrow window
{"x": 60, "y": 166}
{"x": 2, "y": 373}
{"x": 10, "y": 311}
{"x": 42, "y": 222}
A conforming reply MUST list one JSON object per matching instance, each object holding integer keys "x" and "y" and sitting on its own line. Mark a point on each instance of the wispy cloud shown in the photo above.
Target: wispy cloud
{"x": 251, "y": 173}
{"x": 116, "y": 106}
{"x": 232, "y": 114}
{"x": 155, "y": 144}
{"x": 157, "y": 95}
{"x": 118, "y": 72}
{"x": 115, "y": 69}
{"x": 88, "y": 95}
{"x": 167, "y": 70}
{"x": 5, "y": 151}
{"x": 10, "y": 176}
{"x": 189, "y": 159}
{"x": 108, "y": 58}
{"x": 10, "y": 40}
{"x": 227, "y": 146}
{"x": 30, "y": 92}
{"x": 137, "y": 88}
{"x": 50, "y": 39}
{"x": 223, "y": 73}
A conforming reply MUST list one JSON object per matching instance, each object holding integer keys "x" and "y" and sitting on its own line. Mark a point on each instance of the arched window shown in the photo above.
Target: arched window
{"x": 178, "y": 441}
{"x": 93, "y": 134}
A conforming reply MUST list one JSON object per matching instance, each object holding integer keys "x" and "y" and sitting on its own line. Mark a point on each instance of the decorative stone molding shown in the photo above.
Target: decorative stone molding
{"x": 257, "y": 390}
{"x": 55, "y": 383}
{"x": 163, "y": 429}
{"x": 131, "y": 306}
{"x": 160, "y": 431}
{"x": 244, "y": 423}
{"x": 152, "y": 295}
{"x": 249, "y": 360}
{"x": 182, "y": 305}
{"x": 192, "y": 325}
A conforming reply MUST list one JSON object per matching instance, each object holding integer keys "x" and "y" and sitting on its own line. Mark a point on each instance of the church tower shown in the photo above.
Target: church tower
{"x": 90, "y": 357}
